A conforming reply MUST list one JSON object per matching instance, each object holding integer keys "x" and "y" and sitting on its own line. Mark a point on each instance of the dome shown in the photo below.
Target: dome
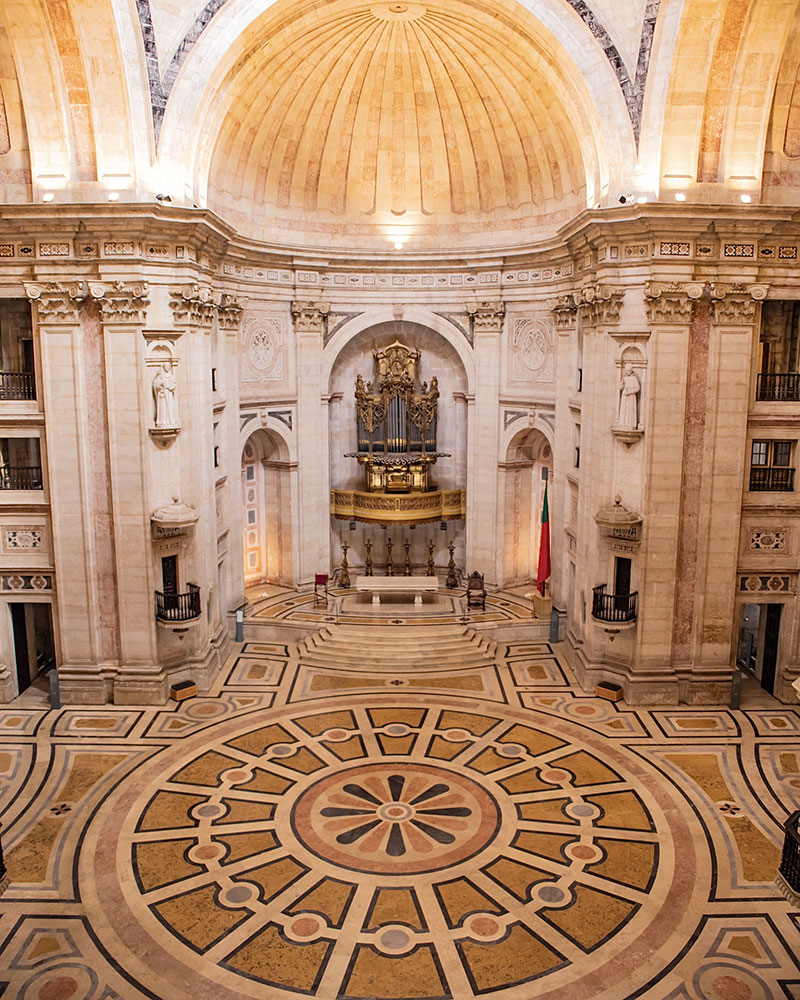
{"x": 423, "y": 124}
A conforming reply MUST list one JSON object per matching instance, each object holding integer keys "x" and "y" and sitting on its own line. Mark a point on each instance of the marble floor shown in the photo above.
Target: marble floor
{"x": 421, "y": 808}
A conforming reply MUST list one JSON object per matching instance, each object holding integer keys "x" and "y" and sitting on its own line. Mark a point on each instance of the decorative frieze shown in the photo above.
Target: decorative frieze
{"x": 763, "y": 539}
{"x": 56, "y": 301}
{"x": 310, "y": 317}
{"x": 41, "y": 582}
{"x": 193, "y": 305}
{"x": 769, "y": 583}
{"x": 121, "y": 302}
{"x": 599, "y": 304}
{"x": 15, "y": 539}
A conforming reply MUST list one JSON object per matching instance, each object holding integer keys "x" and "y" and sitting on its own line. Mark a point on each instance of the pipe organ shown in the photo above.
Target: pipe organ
{"x": 396, "y": 424}
{"x": 396, "y": 420}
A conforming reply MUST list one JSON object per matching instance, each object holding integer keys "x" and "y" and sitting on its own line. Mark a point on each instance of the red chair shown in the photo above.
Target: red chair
{"x": 320, "y": 588}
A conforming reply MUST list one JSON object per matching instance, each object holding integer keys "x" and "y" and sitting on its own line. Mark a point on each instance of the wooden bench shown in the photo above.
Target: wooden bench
{"x": 377, "y": 585}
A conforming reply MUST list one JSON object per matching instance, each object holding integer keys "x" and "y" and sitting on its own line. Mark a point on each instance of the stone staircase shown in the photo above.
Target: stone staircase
{"x": 396, "y": 648}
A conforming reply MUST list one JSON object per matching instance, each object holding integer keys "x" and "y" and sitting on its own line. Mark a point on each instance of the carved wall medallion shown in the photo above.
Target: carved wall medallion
{"x": 531, "y": 352}
{"x": 262, "y": 348}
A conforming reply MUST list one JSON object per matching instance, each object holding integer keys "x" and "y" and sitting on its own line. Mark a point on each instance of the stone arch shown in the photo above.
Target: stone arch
{"x": 350, "y": 353}
{"x": 384, "y": 320}
{"x": 267, "y": 501}
{"x": 527, "y": 451}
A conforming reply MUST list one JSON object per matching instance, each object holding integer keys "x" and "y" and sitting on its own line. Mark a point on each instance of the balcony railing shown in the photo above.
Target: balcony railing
{"x": 789, "y": 868}
{"x": 613, "y": 607}
{"x": 778, "y": 388}
{"x": 178, "y": 607}
{"x": 20, "y": 477}
{"x": 772, "y": 479}
{"x": 17, "y": 385}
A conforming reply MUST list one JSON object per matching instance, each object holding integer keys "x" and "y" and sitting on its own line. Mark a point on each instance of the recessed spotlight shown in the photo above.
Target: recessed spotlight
{"x": 746, "y": 199}
{"x": 398, "y": 246}
{"x": 113, "y": 195}
{"x": 680, "y": 196}
{"x": 642, "y": 199}
{"x": 48, "y": 196}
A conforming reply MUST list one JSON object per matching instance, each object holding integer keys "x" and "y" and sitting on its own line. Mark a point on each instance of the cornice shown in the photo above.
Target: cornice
{"x": 215, "y": 242}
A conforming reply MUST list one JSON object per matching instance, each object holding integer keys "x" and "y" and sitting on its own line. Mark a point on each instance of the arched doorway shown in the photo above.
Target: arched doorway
{"x": 523, "y": 490}
{"x": 266, "y": 508}
{"x": 440, "y": 359}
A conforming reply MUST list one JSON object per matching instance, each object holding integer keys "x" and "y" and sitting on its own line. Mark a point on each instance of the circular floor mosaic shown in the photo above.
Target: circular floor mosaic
{"x": 394, "y": 850}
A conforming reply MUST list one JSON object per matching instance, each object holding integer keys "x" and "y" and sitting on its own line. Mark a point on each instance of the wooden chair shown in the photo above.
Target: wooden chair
{"x": 476, "y": 592}
{"x": 320, "y": 588}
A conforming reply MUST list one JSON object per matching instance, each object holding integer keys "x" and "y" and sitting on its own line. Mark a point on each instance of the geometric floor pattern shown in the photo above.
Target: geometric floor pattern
{"x": 495, "y": 833}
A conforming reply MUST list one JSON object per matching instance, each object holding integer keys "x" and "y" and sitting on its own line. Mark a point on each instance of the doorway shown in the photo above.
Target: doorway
{"x": 34, "y": 645}
{"x": 772, "y": 631}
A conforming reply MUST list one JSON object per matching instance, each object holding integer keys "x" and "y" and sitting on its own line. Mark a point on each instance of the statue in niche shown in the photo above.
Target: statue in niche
{"x": 629, "y": 389}
{"x": 164, "y": 389}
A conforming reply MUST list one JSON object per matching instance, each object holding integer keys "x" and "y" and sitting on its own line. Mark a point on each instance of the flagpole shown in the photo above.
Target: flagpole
{"x": 543, "y": 568}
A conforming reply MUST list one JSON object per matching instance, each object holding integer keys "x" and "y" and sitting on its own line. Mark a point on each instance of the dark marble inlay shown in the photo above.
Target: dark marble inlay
{"x": 160, "y": 87}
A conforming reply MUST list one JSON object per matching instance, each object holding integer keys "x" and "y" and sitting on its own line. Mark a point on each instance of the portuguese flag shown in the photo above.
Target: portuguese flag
{"x": 543, "y": 571}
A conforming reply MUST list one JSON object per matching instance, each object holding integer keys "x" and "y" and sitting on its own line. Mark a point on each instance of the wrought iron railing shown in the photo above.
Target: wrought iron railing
{"x": 613, "y": 607}
{"x": 17, "y": 385}
{"x": 20, "y": 477}
{"x": 771, "y": 479}
{"x": 178, "y": 607}
{"x": 789, "y": 868}
{"x": 778, "y": 388}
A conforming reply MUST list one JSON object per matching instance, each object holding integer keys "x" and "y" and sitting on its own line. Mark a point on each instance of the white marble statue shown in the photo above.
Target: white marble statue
{"x": 629, "y": 389}
{"x": 164, "y": 388}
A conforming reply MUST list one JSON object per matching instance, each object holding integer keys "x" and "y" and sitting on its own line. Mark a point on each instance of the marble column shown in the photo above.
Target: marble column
{"x": 482, "y": 545}
{"x": 312, "y": 540}
{"x": 122, "y": 310}
{"x": 74, "y": 398}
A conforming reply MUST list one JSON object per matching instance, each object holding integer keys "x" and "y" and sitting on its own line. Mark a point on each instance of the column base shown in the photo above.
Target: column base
{"x": 83, "y": 686}
{"x": 651, "y": 685}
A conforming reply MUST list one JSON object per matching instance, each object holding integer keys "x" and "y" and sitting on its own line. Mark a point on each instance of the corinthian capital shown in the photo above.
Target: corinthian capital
{"x": 599, "y": 304}
{"x": 735, "y": 304}
{"x": 310, "y": 317}
{"x": 565, "y": 310}
{"x": 121, "y": 302}
{"x": 229, "y": 312}
{"x": 57, "y": 301}
{"x": 670, "y": 302}
{"x": 487, "y": 317}
{"x": 193, "y": 305}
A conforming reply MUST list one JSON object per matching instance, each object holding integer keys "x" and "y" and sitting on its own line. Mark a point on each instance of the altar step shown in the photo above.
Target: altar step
{"x": 352, "y": 647}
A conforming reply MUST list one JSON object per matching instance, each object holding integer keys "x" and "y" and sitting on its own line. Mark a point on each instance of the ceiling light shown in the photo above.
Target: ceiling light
{"x": 48, "y": 196}
{"x": 680, "y": 196}
{"x": 398, "y": 246}
{"x": 746, "y": 198}
{"x": 113, "y": 195}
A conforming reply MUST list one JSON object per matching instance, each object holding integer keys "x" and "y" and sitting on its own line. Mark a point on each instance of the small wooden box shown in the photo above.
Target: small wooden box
{"x": 183, "y": 690}
{"x": 609, "y": 691}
